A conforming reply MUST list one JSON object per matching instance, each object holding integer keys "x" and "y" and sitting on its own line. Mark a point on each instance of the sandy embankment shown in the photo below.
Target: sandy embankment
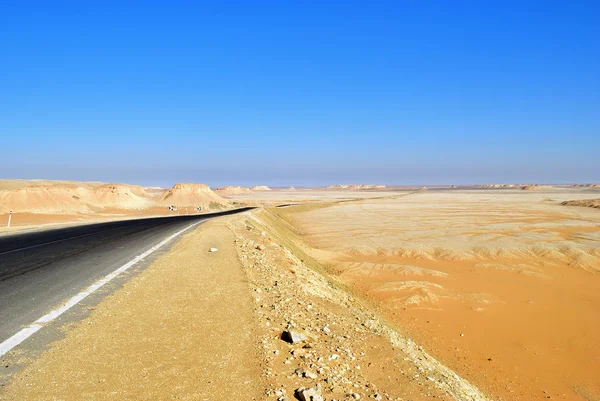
{"x": 212, "y": 329}
{"x": 502, "y": 286}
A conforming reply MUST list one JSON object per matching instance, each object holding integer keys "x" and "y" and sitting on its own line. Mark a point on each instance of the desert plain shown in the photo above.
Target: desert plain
{"x": 495, "y": 287}
{"x": 500, "y": 284}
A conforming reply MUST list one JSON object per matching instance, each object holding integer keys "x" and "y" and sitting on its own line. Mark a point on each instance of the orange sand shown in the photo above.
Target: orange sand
{"x": 502, "y": 287}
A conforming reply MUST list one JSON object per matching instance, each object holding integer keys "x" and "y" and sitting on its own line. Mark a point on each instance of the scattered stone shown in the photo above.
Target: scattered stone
{"x": 293, "y": 336}
{"x": 370, "y": 324}
{"x": 309, "y": 394}
{"x": 310, "y": 374}
{"x": 293, "y": 307}
{"x": 298, "y": 352}
{"x": 213, "y": 250}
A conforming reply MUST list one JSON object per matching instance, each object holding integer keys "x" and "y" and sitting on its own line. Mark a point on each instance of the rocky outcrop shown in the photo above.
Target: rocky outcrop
{"x": 356, "y": 187}
{"x": 261, "y": 188}
{"x": 233, "y": 190}
{"x": 595, "y": 203}
{"x": 196, "y": 195}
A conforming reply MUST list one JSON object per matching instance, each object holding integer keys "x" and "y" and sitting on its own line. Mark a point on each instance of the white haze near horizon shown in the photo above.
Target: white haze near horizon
{"x": 307, "y": 176}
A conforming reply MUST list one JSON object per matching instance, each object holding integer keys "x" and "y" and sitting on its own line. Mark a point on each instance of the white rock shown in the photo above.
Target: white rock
{"x": 213, "y": 250}
{"x": 310, "y": 374}
{"x": 309, "y": 394}
{"x": 293, "y": 336}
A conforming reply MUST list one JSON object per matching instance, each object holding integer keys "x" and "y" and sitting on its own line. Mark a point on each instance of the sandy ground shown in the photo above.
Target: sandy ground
{"x": 399, "y": 296}
{"x": 304, "y": 195}
{"x": 210, "y": 326}
{"x": 350, "y": 352}
{"x": 503, "y": 285}
{"x": 183, "y": 329}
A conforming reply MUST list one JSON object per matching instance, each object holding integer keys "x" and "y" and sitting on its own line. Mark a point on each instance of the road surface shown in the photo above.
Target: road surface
{"x": 40, "y": 271}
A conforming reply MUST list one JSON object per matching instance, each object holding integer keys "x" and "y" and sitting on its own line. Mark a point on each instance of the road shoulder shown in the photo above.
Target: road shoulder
{"x": 182, "y": 329}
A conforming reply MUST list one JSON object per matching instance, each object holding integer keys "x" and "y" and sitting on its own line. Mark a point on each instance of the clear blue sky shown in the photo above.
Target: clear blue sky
{"x": 302, "y": 93}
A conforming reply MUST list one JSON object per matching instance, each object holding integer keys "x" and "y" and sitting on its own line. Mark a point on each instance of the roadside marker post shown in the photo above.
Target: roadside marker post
{"x": 9, "y": 217}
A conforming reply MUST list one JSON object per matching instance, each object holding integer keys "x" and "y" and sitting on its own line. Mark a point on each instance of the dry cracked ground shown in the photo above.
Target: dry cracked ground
{"x": 366, "y": 299}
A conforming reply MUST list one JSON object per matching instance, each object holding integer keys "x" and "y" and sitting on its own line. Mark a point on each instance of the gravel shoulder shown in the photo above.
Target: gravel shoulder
{"x": 182, "y": 329}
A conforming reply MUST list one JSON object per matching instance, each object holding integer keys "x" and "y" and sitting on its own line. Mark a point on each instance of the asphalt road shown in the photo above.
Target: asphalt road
{"x": 41, "y": 270}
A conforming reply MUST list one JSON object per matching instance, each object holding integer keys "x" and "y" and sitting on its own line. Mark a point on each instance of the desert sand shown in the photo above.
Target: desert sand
{"x": 502, "y": 286}
{"x": 170, "y": 353}
{"x": 217, "y": 327}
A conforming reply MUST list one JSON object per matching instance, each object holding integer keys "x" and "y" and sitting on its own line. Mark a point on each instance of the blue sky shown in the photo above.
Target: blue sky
{"x": 301, "y": 93}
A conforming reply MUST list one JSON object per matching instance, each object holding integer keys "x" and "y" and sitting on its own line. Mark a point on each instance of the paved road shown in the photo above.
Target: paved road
{"x": 40, "y": 270}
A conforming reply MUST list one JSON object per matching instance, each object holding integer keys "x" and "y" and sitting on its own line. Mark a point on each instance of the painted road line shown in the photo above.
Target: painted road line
{"x": 28, "y": 331}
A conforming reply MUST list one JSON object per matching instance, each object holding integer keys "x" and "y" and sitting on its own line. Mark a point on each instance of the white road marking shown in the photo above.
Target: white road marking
{"x": 28, "y": 331}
